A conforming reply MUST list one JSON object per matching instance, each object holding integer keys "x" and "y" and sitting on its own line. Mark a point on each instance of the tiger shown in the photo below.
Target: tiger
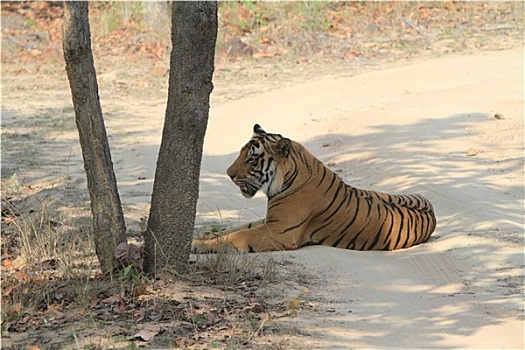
{"x": 308, "y": 204}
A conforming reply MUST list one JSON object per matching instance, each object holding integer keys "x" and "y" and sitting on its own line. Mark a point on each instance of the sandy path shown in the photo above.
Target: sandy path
{"x": 404, "y": 130}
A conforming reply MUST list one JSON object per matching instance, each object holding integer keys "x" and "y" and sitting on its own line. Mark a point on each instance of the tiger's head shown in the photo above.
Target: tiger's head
{"x": 261, "y": 164}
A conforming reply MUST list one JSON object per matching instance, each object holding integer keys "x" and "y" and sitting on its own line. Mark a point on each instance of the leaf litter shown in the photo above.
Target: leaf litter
{"x": 48, "y": 303}
{"x": 176, "y": 314}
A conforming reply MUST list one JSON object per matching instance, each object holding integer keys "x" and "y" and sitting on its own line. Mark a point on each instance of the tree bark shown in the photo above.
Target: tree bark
{"x": 176, "y": 185}
{"x": 108, "y": 220}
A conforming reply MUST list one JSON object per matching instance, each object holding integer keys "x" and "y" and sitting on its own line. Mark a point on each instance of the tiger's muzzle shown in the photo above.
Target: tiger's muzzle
{"x": 248, "y": 187}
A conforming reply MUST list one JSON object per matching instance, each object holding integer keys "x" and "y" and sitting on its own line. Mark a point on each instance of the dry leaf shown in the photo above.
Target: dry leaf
{"x": 265, "y": 54}
{"x": 7, "y": 290}
{"x": 128, "y": 254}
{"x": 94, "y": 301}
{"x": 16, "y": 308}
{"x": 10, "y": 219}
{"x": 145, "y": 297}
{"x": 183, "y": 342}
{"x": 294, "y": 303}
{"x": 113, "y": 300}
{"x": 143, "y": 335}
{"x": 8, "y": 262}
{"x": 302, "y": 289}
{"x": 139, "y": 290}
{"x": 35, "y": 52}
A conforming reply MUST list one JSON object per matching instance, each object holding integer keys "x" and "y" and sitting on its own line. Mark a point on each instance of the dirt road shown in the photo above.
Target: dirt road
{"x": 427, "y": 127}
{"x": 404, "y": 129}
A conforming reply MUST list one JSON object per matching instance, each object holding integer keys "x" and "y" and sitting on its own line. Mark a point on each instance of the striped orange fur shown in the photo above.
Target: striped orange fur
{"x": 309, "y": 204}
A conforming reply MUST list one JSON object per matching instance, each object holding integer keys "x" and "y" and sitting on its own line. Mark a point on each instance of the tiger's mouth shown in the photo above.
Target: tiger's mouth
{"x": 248, "y": 187}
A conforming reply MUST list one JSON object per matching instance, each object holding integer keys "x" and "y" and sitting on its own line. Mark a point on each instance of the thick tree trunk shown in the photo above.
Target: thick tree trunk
{"x": 176, "y": 186}
{"x": 108, "y": 221}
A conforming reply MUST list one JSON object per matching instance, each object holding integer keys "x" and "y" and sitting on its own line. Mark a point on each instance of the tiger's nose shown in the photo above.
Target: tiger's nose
{"x": 231, "y": 173}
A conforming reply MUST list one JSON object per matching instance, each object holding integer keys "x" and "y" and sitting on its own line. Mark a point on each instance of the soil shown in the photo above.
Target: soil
{"x": 449, "y": 127}
{"x": 405, "y": 129}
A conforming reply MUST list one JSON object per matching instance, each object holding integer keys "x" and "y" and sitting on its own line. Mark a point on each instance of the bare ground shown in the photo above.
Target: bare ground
{"x": 407, "y": 129}
{"x": 424, "y": 126}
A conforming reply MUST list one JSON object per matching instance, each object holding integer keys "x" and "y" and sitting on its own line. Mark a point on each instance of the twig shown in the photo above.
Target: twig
{"x": 254, "y": 334}
{"x": 411, "y": 25}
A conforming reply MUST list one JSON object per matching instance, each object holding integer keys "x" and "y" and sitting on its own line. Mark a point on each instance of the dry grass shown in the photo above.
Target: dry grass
{"x": 230, "y": 268}
{"x": 51, "y": 283}
{"x": 311, "y": 31}
{"x": 46, "y": 254}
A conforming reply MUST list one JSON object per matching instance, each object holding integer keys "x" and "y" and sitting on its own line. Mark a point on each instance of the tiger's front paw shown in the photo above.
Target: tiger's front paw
{"x": 196, "y": 247}
{"x": 200, "y": 247}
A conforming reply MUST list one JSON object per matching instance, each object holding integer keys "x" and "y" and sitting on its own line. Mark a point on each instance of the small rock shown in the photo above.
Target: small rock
{"x": 472, "y": 152}
{"x": 331, "y": 163}
{"x": 499, "y": 116}
{"x": 373, "y": 27}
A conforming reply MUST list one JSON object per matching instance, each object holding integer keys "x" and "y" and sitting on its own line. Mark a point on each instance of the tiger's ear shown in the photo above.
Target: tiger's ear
{"x": 282, "y": 149}
{"x": 258, "y": 130}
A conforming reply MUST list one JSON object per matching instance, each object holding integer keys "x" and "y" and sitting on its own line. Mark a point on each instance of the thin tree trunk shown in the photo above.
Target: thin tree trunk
{"x": 108, "y": 221}
{"x": 176, "y": 186}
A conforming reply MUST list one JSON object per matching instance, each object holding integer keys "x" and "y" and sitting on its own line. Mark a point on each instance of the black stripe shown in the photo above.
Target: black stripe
{"x": 262, "y": 164}
{"x": 409, "y": 228}
{"x": 305, "y": 160}
{"x": 418, "y": 201}
{"x": 388, "y": 236}
{"x": 322, "y": 177}
{"x": 343, "y": 201}
{"x": 331, "y": 183}
{"x": 334, "y": 198}
{"x": 296, "y": 226}
{"x": 353, "y": 240}
{"x": 402, "y": 220}
{"x": 321, "y": 241}
{"x": 314, "y": 232}
{"x": 270, "y": 160}
{"x": 378, "y": 233}
{"x": 339, "y": 239}
{"x": 290, "y": 179}
{"x": 376, "y": 239}
{"x": 418, "y": 228}
{"x": 342, "y": 234}
{"x": 424, "y": 226}
{"x": 368, "y": 200}
{"x": 355, "y": 215}
{"x": 357, "y": 236}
